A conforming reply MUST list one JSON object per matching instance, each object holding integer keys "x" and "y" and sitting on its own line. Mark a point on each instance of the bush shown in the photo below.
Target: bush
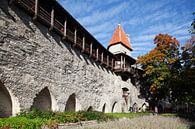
{"x": 35, "y": 119}
{"x": 21, "y": 123}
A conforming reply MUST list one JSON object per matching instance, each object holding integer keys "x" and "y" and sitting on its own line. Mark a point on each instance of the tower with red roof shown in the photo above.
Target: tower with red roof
{"x": 120, "y": 46}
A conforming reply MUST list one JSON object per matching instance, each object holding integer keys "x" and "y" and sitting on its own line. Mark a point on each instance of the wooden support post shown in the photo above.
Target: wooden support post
{"x": 52, "y": 19}
{"x": 36, "y": 10}
{"x": 75, "y": 37}
{"x": 65, "y": 29}
{"x": 121, "y": 61}
{"x": 11, "y": 2}
{"x": 124, "y": 63}
{"x": 83, "y": 45}
{"x": 97, "y": 52}
{"x": 107, "y": 61}
{"x": 91, "y": 49}
{"x": 102, "y": 58}
{"x": 112, "y": 63}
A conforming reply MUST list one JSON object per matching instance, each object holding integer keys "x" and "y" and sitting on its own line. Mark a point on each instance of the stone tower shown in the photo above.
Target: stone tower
{"x": 120, "y": 46}
{"x": 120, "y": 42}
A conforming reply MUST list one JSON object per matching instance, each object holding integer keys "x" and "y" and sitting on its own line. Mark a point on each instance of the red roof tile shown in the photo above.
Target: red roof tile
{"x": 119, "y": 36}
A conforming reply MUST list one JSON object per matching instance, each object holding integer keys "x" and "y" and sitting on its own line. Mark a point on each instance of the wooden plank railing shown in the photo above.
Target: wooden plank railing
{"x": 105, "y": 59}
{"x": 70, "y": 35}
{"x": 28, "y": 5}
{"x": 45, "y": 16}
{"x": 79, "y": 43}
{"x": 59, "y": 27}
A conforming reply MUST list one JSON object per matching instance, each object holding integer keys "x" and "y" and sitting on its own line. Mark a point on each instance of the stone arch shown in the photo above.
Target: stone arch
{"x": 42, "y": 101}
{"x": 8, "y": 103}
{"x": 143, "y": 107}
{"x": 104, "y": 107}
{"x": 125, "y": 95}
{"x": 135, "y": 107}
{"x": 71, "y": 103}
{"x": 5, "y": 102}
{"x": 160, "y": 108}
{"x": 114, "y": 107}
{"x": 90, "y": 109}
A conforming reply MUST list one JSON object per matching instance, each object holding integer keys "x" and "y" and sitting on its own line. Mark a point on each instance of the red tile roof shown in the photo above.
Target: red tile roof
{"x": 119, "y": 36}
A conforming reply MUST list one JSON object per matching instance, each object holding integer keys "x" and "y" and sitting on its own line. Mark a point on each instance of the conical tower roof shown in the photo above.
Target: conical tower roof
{"x": 119, "y": 36}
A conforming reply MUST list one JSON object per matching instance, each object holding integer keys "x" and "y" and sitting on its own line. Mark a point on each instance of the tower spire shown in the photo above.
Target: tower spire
{"x": 120, "y": 36}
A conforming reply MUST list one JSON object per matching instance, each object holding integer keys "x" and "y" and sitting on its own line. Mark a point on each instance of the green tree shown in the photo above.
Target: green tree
{"x": 159, "y": 65}
{"x": 186, "y": 82}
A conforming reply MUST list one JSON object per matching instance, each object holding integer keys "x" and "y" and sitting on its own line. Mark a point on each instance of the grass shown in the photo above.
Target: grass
{"x": 169, "y": 114}
{"x": 143, "y": 122}
{"x": 128, "y": 115}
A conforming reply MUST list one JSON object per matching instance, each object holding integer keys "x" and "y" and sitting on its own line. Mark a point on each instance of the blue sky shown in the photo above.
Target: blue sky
{"x": 141, "y": 19}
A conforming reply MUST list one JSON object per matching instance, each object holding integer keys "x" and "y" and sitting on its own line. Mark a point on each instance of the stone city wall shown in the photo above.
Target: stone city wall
{"x": 37, "y": 67}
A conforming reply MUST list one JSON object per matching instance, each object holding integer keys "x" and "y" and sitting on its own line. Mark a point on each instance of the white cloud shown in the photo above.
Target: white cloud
{"x": 142, "y": 44}
{"x": 186, "y": 37}
{"x": 144, "y": 38}
{"x": 180, "y": 32}
{"x": 101, "y": 28}
{"x": 77, "y": 8}
{"x": 100, "y": 15}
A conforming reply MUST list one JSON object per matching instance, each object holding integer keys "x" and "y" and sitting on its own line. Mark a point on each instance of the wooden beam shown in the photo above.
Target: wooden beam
{"x": 112, "y": 63}
{"x": 11, "y": 2}
{"x": 124, "y": 63}
{"x": 75, "y": 37}
{"x": 97, "y": 54}
{"x": 102, "y": 58}
{"x": 36, "y": 10}
{"x": 91, "y": 49}
{"x": 52, "y": 19}
{"x": 121, "y": 61}
{"x": 107, "y": 61}
{"x": 65, "y": 29}
{"x": 83, "y": 45}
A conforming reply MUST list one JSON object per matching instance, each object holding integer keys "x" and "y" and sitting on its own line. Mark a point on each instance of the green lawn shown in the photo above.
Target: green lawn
{"x": 128, "y": 115}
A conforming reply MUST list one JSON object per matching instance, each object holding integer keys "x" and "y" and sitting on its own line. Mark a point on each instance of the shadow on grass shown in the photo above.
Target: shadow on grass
{"x": 189, "y": 117}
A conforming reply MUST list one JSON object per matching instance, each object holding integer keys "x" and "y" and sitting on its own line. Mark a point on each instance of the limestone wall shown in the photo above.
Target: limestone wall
{"x": 31, "y": 59}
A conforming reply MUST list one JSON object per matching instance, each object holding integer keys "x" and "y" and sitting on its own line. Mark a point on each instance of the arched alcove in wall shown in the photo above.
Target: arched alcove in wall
{"x": 135, "y": 107}
{"x": 114, "y": 107}
{"x": 125, "y": 94}
{"x": 42, "y": 101}
{"x": 104, "y": 108}
{"x": 71, "y": 103}
{"x": 5, "y": 102}
{"x": 90, "y": 109}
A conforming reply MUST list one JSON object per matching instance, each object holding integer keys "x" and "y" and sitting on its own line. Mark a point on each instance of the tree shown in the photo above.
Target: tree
{"x": 159, "y": 65}
{"x": 187, "y": 77}
{"x": 192, "y": 28}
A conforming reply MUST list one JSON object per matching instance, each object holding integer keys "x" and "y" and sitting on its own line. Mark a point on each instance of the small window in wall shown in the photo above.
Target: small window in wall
{"x": 42, "y": 101}
{"x": 71, "y": 103}
{"x": 5, "y": 102}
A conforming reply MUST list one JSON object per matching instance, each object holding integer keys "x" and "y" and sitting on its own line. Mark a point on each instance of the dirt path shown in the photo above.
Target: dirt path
{"x": 145, "y": 122}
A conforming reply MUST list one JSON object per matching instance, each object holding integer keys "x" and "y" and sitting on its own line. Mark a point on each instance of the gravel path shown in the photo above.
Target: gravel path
{"x": 145, "y": 122}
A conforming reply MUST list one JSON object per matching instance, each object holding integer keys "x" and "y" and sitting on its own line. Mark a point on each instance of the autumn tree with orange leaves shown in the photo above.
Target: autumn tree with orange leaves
{"x": 159, "y": 64}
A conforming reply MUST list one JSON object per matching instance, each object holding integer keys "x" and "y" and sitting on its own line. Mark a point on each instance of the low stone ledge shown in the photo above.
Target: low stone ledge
{"x": 71, "y": 125}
